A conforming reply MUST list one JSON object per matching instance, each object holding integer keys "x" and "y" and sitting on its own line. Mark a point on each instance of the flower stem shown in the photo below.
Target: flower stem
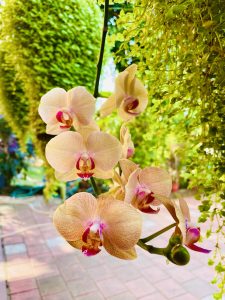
{"x": 151, "y": 249}
{"x": 154, "y": 235}
{"x": 104, "y": 33}
{"x": 95, "y": 187}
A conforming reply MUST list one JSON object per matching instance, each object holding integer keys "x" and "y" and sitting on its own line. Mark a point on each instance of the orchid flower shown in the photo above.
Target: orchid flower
{"x": 148, "y": 187}
{"x": 120, "y": 180}
{"x": 59, "y": 109}
{"x": 130, "y": 96}
{"x": 72, "y": 156}
{"x": 190, "y": 232}
{"x": 127, "y": 144}
{"x": 88, "y": 224}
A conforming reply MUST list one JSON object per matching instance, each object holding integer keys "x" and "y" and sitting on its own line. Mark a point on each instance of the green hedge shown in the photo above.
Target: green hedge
{"x": 51, "y": 43}
{"x": 14, "y": 105}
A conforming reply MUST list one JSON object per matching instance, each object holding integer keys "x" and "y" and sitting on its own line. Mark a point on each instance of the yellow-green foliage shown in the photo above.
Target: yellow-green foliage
{"x": 180, "y": 50}
{"x": 51, "y": 43}
{"x": 14, "y": 105}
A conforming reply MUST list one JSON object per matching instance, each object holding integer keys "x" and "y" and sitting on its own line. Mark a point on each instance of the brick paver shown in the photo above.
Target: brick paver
{"x": 37, "y": 264}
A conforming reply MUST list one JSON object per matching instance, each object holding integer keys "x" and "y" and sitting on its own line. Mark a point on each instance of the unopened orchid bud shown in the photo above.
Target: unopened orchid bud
{"x": 179, "y": 255}
{"x": 175, "y": 240}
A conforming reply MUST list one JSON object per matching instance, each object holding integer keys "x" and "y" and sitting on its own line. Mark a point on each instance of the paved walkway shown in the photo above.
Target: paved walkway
{"x": 38, "y": 264}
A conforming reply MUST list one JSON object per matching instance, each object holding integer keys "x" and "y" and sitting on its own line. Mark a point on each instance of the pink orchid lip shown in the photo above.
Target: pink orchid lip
{"x": 149, "y": 210}
{"x": 67, "y": 122}
{"x": 85, "y": 164}
{"x": 143, "y": 201}
{"x": 90, "y": 252}
{"x": 92, "y": 242}
{"x": 193, "y": 234}
{"x": 198, "y": 249}
{"x": 131, "y": 103}
{"x": 130, "y": 152}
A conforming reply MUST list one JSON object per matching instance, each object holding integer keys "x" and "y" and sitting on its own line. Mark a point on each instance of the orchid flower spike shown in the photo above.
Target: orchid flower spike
{"x": 59, "y": 109}
{"x": 126, "y": 141}
{"x": 88, "y": 224}
{"x": 148, "y": 187}
{"x": 72, "y": 156}
{"x": 130, "y": 96}
{"x": 191, "y": 233}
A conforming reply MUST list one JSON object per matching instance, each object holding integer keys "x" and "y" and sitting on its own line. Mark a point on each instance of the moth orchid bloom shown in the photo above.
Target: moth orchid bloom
{"x": 58, "y": 109}
{"x": 148, "y": 187}
{"x": 72, "y": 156}
{"x": 127, "y": 144}
{"x": 89, "y": 224}
{"x": 120, "y": 180}
{"x": 130, "y": 96}
{"x": 191, "y": 233}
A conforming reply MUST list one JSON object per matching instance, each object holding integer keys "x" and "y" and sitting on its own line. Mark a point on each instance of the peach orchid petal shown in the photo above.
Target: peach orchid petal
{"x": 123, "y": 82}
{"x": 61, "y": 151}
{"x": 127, "y": 167}
{"x": 107, "y": 150}
{"x": 76, "y": 244}
{"x": 123, "y": 223}
{"x": 68, "y": 176}
{"x": 169, "y": 204}
{"x": 98, "y": 173}
{"x": 126, "y": 141}
{"x": 51, "y": 102}
{"x": 54, "y": 128}
{"x": 82, "y": 104}
{"x": 86, "y": 130}
{"x": 129, "y": 254}
{"x": 108, "y": 106}
{"x": 72, "y": 217}
{"x": 185, "y": 209}
{"x": 130, "y": 188}
{"x": 157, "y": 180}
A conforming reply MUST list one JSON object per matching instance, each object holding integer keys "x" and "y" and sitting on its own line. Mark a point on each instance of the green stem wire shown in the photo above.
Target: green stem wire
{"x": 100, "y": 60}
{"x": 154, "y": 235}
{"x": 95, "y": 187}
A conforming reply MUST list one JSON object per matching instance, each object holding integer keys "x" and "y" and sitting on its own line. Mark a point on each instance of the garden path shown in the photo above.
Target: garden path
{"x": 38, "y": 264}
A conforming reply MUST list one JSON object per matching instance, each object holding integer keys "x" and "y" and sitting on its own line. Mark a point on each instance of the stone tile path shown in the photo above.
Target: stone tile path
{"x": 38, "y": 264}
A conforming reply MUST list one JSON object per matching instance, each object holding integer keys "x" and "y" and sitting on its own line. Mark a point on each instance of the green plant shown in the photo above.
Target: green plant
{"x": 50, "y": 44}
{"x": 179, "y": 47}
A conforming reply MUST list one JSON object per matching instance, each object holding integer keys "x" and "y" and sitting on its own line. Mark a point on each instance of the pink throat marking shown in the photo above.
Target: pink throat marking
{"x": 130, "y": 104}
{"x": 85, "y": 164}
{"x": 92, "y": 237}
{"x": 65, "y": 118}
{"x": 143, "y": 200}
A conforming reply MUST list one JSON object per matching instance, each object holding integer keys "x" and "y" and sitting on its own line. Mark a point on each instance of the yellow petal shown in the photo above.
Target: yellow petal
{"x": 157, "y": 180}
{"x": 73, "y": 217}
{"x": 123, "y": 254}
{"x": 106, "y": 148}
{"x": 61, "y": 151}
{"x": 82, "y": 104}
{"x": 123, "y": 223}
{"x": 50, "y": 104}
{"x": 108, "y": 106}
